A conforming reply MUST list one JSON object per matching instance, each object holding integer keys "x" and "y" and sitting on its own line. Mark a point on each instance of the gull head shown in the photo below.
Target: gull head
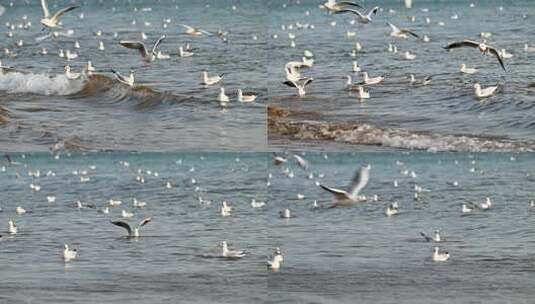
{"x": 477, "y": 86}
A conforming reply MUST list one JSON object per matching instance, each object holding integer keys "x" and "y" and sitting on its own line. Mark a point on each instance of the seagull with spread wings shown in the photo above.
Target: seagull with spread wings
{"x": 351, "y": 195}
{"x": 53, "y": 21}
{"x": 135, "y": 231}
{"x": 140, "y": 46}
{"x": 481, "y": 46}
{"x": 333, "y": 6}
{"x": 400, "y": 32}
{"x": 362, "y": 18}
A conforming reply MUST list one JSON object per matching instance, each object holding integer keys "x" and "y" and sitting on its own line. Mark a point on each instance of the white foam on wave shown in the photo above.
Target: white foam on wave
{"x": 365, "y": 134}
{"x": 16, "y": 82}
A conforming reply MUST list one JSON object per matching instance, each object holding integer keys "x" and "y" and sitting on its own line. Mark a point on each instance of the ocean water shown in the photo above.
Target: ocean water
{"x": 338, "y": 255}
{"x": 175, "y": 260}
{"x": 443, "y": 115}
{"x": 357, "y": 254}
{"x": 169, "y": 110}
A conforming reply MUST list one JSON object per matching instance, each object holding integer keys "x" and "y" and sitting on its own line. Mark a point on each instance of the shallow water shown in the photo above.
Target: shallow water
{"x": 446, "y": 107}
{"x": 171, "y": 111}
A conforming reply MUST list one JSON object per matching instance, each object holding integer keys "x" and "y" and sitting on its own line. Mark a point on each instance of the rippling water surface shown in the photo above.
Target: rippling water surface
{"x": 169, "y": 110}
{"x": 175, "y": 260}
{"x": 446, "y": 108}
{"x": 357, "y": 254}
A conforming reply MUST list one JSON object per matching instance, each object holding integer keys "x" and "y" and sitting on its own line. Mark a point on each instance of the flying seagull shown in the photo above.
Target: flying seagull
{"x": 53, "y": 22}
{"x": 400, "y": 33}
{"x": 140, "y": 46}
{"x": 300, "y": 86}
{"x": 482, "y": 46}
{"x": 361, "y": 17}
{"x": 351, "y": 196}
{"x": 333, "y": 6}
{"x": 132, "y": 232}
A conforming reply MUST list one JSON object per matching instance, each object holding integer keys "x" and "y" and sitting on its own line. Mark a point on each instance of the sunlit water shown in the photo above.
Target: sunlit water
{"x": 169, "y": 111}
{"x": 446, "y": 107}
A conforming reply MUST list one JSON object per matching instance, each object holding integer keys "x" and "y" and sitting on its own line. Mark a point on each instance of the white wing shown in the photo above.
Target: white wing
{"x": 394, "y": 28}
{"x": 359, "y": 181}
{"x": 45, "y": 9}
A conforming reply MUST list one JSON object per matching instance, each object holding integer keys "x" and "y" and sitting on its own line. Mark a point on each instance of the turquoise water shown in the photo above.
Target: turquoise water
{"x": 169, "y": 111}
{"x": 330, "y": 255}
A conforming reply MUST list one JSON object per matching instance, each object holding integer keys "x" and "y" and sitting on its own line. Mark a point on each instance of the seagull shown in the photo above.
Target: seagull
{"x": 193, "y": 31}
{"x": 286, "y": 214}
{"x": 138, "y": 204}
{"x": 486, "y": 205}
{"x": 20, "y": 210}
{"x": 12, "y": 228}
{"x": 436, "y": 238}
{"x": 351, "y": 196}
{"x": 425, "y": 81}
{"x": 361, "y": 17}
{"x": 256, "y": 204}
{"x": 71, "y": 75}
{"x": 246, "y": 97}
{"x": 440, "y": 256}
{"x": 222, "y": 97}
{"x": 231, "y": 254}
{"x": 361, "y": 93}
{"x": 140, "y": 46}
{"x": 129, "y": 81}
{"x": 301, "y": 161}
{"x": 89, "y": 68}
{"x": 482, "y": 46}
{"x": 466, "y": 70}
{"x": 356, "y": 67}
{"x": 300, "y": 86}
{"x": 400, "y": 33}
{"x": 132, "y": 232}
{"x": 126, "y": 214}
{"x": 392, "y": 209}
{"x": 408, "y": 56}
{"x": 292, "y": 70}
{"x": 160, "y": 55}
{"x": 466, "y": 209}
{"x": 279, "y": 160}
{"x": 505, "y": 55}
{"x": 373, "y": 80}
{"x": 53, "y": 22}
{"x": 333, "y": 6}
{"x": 484, "y": 92}
{"x": 184, "y": 53}
{"x": 225, "y": 209}
{"x": 206, "y": 80}
{"x": 69, "y": 254}
{"x": 529, "y": 49}
{"x": 276, "y": 260}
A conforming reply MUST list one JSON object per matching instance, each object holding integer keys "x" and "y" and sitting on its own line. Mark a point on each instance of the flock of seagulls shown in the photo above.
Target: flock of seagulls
{"x": 149, "y": 53}
{"x": 294, "y": 69}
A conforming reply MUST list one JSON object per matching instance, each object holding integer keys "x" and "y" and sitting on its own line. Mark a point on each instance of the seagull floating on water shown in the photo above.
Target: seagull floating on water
{"x": 210, "y": 80}
{"x": 484, "y": 92}
{"x": 69, "y": 254}
{"x": 435, "y": 238}
{"x": 12, "y": 228}
{"x": 231, "y": 254}
{"x": 276, "y": 260}
{"x": 439, "y": 256}
{"x": 467, "y": 70}
{"x": 245, "y": 97}
{"x": 71, "y": 75}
